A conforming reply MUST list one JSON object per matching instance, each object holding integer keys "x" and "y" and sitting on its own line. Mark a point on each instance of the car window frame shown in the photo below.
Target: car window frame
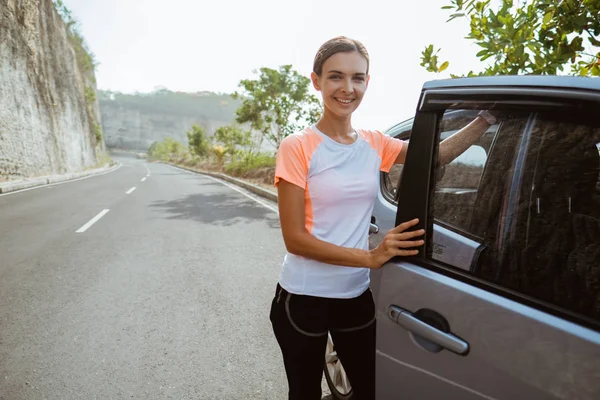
{"x": 402, "y": 131}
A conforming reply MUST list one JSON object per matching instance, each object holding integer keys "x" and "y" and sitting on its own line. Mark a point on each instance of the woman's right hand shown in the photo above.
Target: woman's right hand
{"x": 397, "y": 242}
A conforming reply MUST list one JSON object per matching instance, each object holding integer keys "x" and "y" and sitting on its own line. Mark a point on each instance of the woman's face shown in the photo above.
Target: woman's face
{"x": 343, "y": 82}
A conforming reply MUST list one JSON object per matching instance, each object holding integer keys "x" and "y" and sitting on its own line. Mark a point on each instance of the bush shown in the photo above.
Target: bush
{"x": 247, "y": 161}
{"x": 167, "y": 150}
{"x": 97, "y": 133}
{"x": 85, "y": 58}
{"x": 90, "y": 95}
{"x": 103, "y": 159}
{"x": 197, "y": 141}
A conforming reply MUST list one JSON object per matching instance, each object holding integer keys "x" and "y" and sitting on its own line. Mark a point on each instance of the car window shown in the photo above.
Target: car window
{"x": 523, "y": 209}
{"x": 391, "y": 179}
{"x": 553, "y": 251}
{"x": 457, "y": 183}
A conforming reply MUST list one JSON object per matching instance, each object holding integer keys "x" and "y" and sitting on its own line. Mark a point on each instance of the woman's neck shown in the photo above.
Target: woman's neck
{"x": 338, "y": 128}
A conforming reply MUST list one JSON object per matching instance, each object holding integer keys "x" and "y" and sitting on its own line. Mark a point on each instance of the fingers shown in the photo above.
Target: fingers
{"x": 403, "y": 244}
{"x": 398, "y": 251}
{"x": 404, "y": 235}
{"x": 408, "y": 235}
{"x": 405, "y": 225}
{"x": 404, "y": 253}
{"x": 393, "y": 248}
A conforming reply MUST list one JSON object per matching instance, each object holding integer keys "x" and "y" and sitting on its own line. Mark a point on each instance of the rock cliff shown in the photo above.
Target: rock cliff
{"x": 49, "y": 114}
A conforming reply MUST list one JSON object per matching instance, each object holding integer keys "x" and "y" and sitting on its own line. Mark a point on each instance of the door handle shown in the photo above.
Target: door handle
{"x": 373, "y": 228}
{"x": 408, "y": 321}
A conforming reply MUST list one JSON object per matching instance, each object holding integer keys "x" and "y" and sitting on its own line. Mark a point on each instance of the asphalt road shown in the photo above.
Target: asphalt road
{"x": 165, "y": 296}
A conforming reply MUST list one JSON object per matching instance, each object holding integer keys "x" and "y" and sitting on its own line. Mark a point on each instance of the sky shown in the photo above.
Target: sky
{"x": 196, "y": 45}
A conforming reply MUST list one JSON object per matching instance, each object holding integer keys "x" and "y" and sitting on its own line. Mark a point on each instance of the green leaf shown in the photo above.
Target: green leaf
{"x": 443, "y": 66}
{"x": 455, "y": 16}
{"x": 519, "y": 51}
{"x": 548, "y": 17}
{"x": 447, "y": 7}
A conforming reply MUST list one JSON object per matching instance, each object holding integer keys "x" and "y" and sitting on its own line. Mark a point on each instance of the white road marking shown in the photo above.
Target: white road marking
{"x": 143, "y": 179}
{"x": 147, "y": 171}
{"x": 130, "y": 190}
{"x": 262, "y": 203}
{"x": 245, "y": 194}
{"x": 92, "y": 221}
{"x": 60, "y": 183}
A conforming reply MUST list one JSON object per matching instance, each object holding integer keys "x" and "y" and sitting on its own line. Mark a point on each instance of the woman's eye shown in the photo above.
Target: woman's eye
{"x": 335, "y": 77}
{"x": 359, "y": 79}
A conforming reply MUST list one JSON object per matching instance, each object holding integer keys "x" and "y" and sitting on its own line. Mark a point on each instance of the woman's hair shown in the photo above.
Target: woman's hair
{"x": 340, "y": 44}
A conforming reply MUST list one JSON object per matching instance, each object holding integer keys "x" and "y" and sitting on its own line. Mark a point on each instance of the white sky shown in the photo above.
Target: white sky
{"x": 192, "y": 45}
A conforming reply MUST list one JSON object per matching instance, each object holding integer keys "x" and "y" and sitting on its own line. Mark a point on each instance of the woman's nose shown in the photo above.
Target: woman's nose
{"x": 348, "y": 87}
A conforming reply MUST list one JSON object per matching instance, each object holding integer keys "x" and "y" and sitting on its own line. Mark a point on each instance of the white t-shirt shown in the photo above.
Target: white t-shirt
{"x": 340, "y": 183}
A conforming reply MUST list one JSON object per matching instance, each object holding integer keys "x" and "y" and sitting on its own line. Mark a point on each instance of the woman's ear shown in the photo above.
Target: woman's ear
{"x": 368, "y": 79}
{"x": 315, "y": 80}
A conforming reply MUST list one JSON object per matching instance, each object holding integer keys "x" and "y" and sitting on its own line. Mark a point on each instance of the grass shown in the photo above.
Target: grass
{"x": 248, "y": 162}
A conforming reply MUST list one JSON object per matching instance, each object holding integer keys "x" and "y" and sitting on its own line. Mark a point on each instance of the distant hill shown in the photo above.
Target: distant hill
{"x": 135, "y": 121}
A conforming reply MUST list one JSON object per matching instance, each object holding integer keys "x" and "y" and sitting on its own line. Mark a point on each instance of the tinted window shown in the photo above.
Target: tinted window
{"x": 526, "y": 215}
{"x": 553, "y": 250}
{"x": 457, "y": 183}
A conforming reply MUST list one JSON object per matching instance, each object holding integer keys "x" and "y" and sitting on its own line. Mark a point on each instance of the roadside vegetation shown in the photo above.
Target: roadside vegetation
{"x": 273, "y": 105}
{"x": 86, "y": 62}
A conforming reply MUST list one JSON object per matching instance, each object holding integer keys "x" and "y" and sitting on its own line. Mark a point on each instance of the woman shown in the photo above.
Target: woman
{"x": 327, "y": 182}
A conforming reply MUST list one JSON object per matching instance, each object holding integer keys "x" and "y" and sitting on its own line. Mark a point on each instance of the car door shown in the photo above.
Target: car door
{"x": 384, "y": 211}
{"x": 386, "y": 206}
{"x": 505, "y": 302}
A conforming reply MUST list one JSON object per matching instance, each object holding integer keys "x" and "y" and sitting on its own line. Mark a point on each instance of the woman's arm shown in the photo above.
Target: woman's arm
{"x": 455, "y": 145}
{"x": 300, "y": 242}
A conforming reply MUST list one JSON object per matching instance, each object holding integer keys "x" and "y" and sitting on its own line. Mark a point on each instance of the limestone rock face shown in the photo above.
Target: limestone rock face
{"x": 49, "y": 114}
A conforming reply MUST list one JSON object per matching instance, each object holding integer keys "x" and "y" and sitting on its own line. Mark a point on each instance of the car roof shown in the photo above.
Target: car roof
{"x": 532, "y": 81}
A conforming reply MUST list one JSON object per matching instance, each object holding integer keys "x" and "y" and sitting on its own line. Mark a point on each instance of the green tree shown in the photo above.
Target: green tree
{"x": 232, "y": 136}
{"x": 539, "y": 37}
{"x": 165, "y": 150}
{"x": 277, "y": 104}
{"x": 197, "y": 141}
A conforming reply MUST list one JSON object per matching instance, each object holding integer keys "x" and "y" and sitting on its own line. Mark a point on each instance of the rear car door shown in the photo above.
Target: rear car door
{"x": 503, "y": 301}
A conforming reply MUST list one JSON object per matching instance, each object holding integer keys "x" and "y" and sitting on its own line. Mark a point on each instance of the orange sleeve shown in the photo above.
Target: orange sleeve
{"x": 387, "y": 148}
{"x": 291, "y": 163}
{"x": 390, "y": 150}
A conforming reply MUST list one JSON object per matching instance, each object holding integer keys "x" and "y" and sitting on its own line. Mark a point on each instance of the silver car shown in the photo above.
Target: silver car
{"x": 503, "y": 301}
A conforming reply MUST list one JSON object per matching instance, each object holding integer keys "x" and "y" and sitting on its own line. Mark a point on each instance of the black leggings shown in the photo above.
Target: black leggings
{"x": 301, "y": 324}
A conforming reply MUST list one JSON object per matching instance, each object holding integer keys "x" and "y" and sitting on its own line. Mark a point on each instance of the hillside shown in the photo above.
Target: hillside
{"x": 135, "y": 121}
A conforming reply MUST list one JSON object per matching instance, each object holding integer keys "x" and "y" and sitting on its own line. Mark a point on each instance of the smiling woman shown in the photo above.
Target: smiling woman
{"x": 327, "y": 177}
